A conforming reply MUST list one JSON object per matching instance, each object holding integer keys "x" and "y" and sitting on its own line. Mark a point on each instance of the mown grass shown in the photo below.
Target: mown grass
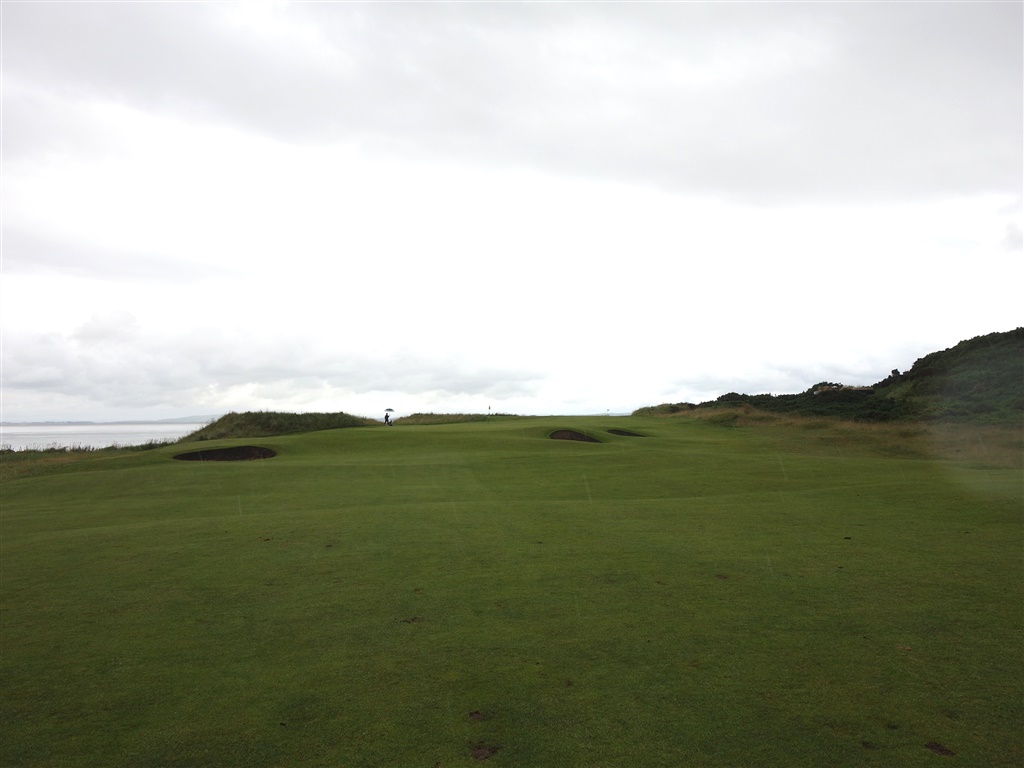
{"x": 421, "y": 419}
{"x": 785, "y": 595}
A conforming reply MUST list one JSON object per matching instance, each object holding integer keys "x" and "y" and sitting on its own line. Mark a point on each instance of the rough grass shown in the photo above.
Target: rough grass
{"x": 34, "y": 461}
{"x": 785, "y": 595}
{"x": 980, "y": 444}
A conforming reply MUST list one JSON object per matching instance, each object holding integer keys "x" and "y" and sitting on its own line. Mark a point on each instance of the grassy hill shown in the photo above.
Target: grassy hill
{"x": 268, "y": 423}
{"x": 794, "y": 593}
{"x": 980, "y": 380}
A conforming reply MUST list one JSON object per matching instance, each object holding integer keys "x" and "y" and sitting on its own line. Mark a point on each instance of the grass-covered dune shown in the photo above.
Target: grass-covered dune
{"x": 271, "y": 423}
{"x": 771, "y": 594}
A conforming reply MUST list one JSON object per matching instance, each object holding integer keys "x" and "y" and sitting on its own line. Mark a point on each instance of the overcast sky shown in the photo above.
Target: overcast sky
{"x": 531, "y": 207}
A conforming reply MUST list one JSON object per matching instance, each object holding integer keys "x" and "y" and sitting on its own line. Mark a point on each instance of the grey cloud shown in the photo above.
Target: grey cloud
{"x": 879, "y": 100}
{"x": 26, "y": 252}
{"x": 38, "y": 122}
{"x": 1014, "y": 240}
{"x": 112, "y": 361}
{"x": 419, "y": 376}
{"x": 887, "y": 102}
{"x": 114, "y": 327}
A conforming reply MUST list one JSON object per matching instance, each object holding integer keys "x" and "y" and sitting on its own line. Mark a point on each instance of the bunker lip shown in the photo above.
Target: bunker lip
{"x": 570, "y": 434}
{"x": 624, "y": 433}
{"x": 234, "y": 453}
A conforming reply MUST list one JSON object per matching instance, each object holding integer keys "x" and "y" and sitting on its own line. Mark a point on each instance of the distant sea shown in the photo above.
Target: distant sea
{"x": 40, "y": 436}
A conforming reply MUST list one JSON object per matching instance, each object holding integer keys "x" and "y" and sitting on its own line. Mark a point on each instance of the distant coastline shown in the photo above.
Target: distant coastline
{"x": 180, "y": 420}
{"x": 91, "y": 434}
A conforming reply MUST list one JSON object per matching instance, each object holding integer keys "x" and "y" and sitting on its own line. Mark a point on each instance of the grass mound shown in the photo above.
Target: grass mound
{"x": 270, "y": 423}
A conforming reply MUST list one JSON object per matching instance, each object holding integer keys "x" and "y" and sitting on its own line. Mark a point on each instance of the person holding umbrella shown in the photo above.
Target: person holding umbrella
{"x": 387, "y": 415}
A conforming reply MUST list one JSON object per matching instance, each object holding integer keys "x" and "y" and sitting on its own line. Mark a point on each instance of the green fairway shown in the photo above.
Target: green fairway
{"x": 451, "y": 594}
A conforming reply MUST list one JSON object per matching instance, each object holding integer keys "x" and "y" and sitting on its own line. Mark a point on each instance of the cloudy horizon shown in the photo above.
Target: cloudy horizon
{"x": 539, "y": 208}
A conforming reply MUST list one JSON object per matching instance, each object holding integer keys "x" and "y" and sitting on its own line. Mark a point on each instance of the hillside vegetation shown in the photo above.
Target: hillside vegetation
{"x": 980, "y": 380}
{"x": 269, "y": 423}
